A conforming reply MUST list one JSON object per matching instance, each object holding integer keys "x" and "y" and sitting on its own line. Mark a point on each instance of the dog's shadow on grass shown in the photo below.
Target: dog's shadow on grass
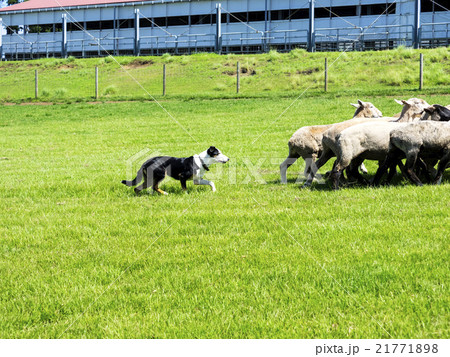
{"x": 171, "y": 190}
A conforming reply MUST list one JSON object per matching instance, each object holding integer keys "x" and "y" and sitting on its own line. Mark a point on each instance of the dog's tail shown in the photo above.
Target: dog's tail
{"x": 137, "y": 179}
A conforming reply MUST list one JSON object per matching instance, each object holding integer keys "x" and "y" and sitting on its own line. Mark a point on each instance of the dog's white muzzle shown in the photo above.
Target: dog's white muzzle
{"x": 221, "y": 158}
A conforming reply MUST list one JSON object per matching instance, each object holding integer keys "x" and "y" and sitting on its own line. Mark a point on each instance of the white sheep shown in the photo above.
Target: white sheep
{"x": 330, "y": 136}
{"x": 306, "y": 142}
{"x": 369, "y": 140}
{"x": 420, "y": 140}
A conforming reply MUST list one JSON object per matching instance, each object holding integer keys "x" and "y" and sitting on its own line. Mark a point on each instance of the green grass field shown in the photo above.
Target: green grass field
{"x": 209, "y": 75}
{"x": 82, "y": 257}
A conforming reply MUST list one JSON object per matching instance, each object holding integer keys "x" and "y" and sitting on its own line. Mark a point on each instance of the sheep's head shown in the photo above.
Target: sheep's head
{"x": 366, "y": 110}
{"x": 436, "y": 112}
{"x": 412, "y": 109}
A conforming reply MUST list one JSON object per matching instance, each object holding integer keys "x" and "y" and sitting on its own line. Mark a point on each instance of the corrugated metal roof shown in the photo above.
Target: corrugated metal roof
{"x": 45, "y": 4}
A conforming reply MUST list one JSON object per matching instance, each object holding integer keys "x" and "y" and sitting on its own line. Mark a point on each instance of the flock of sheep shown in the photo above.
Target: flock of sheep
{"x": 420, "y": 133}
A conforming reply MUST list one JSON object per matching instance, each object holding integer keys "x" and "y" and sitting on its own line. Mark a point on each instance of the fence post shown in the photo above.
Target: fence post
{"x": 64, "y": 36}
{"x": 36, "y": 87}
{"x": 421, "y": 72}
{"x": 326, "y": 74}
{"x": 137, "y": 40}
{"x": 96, "y": 82}
{"x": 1, "y": 43}
{"x": 164, "y": 80}
{"x": 218, "y": 28}
{"x": 238, "y": 84}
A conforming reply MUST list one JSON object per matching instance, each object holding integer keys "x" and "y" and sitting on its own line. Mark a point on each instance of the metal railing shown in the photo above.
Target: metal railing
{"x": 326, "y": 39}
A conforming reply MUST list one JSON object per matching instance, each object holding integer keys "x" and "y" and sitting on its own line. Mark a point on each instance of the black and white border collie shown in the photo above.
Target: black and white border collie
{"x": 154, "y": 170}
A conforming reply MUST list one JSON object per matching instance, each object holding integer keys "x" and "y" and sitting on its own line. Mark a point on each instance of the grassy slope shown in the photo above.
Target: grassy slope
{"x": 210, "y": 75}
{"x": 234, "y": 265}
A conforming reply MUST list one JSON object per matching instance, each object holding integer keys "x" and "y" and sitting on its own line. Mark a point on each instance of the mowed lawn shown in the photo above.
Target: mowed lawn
{"x": 82, "y": 257}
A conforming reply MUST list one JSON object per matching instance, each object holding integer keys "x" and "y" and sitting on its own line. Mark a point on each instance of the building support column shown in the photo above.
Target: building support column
{"x": 1, "y": 42}
{"x": 266, "y": 18}
{"x": 311, "y": 43}
{"x": 416, "y": 27}
{"x": 137, "y": 39}
{"x": 218, "y": 28}
{"x": 115, "y": 31}
{"x": 64, "y": 37}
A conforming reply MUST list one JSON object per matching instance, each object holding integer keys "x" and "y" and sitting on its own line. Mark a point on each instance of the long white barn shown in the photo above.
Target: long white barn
{"x": 39, "y": 28}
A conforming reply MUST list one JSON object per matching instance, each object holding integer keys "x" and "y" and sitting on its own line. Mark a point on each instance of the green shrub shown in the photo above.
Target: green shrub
{"x": 167, "y": 57}
{"x": 111, "y": 89}
{"x": 298, "y": 52}
{"x": 274, "y": 55}
{"x": 60, "y": 92}
{"x": 125, "y": 60}
{"x": 220, "y": 87}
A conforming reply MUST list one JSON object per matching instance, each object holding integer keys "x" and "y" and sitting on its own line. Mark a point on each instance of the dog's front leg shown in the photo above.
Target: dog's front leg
{"x": 205, "y": 182}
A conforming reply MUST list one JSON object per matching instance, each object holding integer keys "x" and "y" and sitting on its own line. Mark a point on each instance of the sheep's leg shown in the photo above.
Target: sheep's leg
{"x": 326, "y": 155}
{"x": 410, "y": 163}
{"x": 353, "y": 171}
{"x": 309, "y": 164}
{"x": 338, "y": 167}
{"x": 431, "y": 163}
{"x": 393, "y": 169}
{"x": 445, "y": 160}
{"x": 285, "y": 165}
{"x": 388, "y": 164}
{"x": 335, "y": 177}
{"x": 382, "y": 169}
{"x": 423, "y": 169}
{"x": 402, "y": 169}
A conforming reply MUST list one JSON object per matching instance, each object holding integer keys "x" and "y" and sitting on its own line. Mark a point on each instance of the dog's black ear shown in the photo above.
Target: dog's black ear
{"x": 212, "y": 151}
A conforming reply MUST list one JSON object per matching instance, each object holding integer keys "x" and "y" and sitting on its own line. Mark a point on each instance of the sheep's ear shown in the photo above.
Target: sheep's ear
{"x": 398, "y": 101}
{"x": 355, "y": 105}
{"x": 405, "y": 102}
{"x": 361, "y": 103}
{"x": 430, "y": 110}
